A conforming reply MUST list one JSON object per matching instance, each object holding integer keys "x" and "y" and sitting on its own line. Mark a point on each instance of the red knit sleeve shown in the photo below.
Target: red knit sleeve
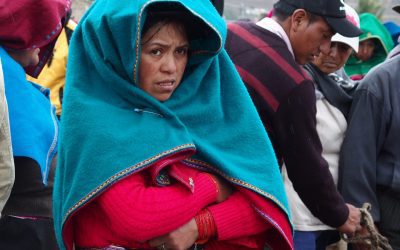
{"x": 136, "y": 208}
{"x": 236, "y": 218}
{"x": 136, "y": 212}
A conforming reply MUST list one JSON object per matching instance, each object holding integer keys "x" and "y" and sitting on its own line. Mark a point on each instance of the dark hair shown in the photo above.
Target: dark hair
{"x": 283, "y": 10}
{"x": 175, "y": 13}
{"x": 163, "y": 19}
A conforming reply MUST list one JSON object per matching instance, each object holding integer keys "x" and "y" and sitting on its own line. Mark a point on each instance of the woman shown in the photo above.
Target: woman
{"x": 375, "y": 44}
{"x": 26, "y": 40}
{"x": 156, "y": 148}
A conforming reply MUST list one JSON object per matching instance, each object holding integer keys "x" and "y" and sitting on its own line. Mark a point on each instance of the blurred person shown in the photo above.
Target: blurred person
{"x": 268, "y": 56}
{"x": 333, "y": 103}
{"x": 394, "y": 31}
{"x": 396, "y": 50}
{"x": 26, "y": 41}
{"x": 367, "y": 48}
{"x": 369, "y": 167}
{"x": 156, "y": 122}
{"x": 7, "y": 172}
{"x": 53, "y": 74}
{"x": 375, "y": 44}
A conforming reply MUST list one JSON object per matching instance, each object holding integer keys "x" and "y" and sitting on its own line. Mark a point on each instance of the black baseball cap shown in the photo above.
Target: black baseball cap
{"x": 333, "y": 11}
{"x": 397, "y": 8}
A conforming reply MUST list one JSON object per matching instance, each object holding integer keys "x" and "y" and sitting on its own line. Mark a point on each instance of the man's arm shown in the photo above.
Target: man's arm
{"x": 295, "y": 127}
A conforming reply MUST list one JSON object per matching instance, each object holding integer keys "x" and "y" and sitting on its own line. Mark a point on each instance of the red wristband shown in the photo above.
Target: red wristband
{"x": 206, "y": 226}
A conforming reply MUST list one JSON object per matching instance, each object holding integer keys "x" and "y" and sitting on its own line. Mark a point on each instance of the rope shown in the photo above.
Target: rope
{"x": 373, "y": 239}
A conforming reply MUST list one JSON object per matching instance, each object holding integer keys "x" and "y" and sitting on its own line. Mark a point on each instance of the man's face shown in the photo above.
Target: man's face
{"x": 25, "y": 57}
{"x": 309, "y": 37}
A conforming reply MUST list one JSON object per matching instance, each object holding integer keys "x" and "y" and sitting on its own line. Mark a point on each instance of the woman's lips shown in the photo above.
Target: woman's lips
{"x": 166, "y": 85}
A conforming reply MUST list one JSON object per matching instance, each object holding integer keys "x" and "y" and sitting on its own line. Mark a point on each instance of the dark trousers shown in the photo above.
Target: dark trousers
{"x": 314, "y": 240}
{"x": 23, "y": 234}
{"x": 389, "y": 225}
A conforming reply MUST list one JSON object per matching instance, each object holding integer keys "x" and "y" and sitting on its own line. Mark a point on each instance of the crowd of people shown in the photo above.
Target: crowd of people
{"x": 160, "y": 125}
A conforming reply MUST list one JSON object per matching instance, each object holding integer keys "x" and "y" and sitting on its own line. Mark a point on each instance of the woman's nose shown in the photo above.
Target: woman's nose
{"x": 169, "y": 64}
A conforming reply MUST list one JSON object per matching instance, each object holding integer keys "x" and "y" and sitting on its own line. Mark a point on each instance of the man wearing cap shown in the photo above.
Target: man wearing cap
{"x": 333, "y": 101}
{"x": 268, "y": 56}
{"x": 370, "y": 157}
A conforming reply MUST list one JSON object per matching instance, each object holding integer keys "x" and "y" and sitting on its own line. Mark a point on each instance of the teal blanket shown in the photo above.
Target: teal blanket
{"x": 110, "y": 128}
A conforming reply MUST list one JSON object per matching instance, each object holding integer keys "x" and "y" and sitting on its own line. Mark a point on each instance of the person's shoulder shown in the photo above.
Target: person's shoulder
{"x": 382, "y": 76}
{"x": 389, "y": 67}
{"x": 241, "y": 27}
{"x": 250, "y": 29}
{"x": 11, "y": 68}
{"x": 240, "y": 22}
{"x": 248, "y": 36}
{"x": 3, "y": 53}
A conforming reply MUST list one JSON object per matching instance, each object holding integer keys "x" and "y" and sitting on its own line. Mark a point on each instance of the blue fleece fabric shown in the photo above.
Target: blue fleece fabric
{"x": 33, "y": 123}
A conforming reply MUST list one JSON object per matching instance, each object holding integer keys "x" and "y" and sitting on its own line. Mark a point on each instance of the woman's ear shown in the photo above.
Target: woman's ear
{"x": 299, "y": 17}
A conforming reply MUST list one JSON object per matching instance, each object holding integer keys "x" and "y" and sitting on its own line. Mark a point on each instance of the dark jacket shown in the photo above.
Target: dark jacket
{"x": 370, "y": 156}
{"x": 285, "y": 99}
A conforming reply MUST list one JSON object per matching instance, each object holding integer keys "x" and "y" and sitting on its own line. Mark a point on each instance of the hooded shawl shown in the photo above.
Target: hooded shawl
{"x": 111, "y": 129}
{"x": 372, "y": 28}
{"x": 22, "y": 29}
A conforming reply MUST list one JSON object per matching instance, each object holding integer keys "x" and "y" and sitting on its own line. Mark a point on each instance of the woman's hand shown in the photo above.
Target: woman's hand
{"x": 180, "y": 239}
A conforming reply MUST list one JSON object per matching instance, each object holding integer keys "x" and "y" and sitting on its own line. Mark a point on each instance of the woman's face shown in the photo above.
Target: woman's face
{"x": 334, "y": 59}
{"x": 366, "y": 50}
{"x": 25, "y": 57}
{"x": 163, "y": 59}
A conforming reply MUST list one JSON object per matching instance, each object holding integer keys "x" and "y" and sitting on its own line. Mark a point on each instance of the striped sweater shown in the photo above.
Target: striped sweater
{"x": 285, "y": 99}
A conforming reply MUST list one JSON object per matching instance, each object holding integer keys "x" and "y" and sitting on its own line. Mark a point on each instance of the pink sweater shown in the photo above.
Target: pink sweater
{"x": 110, "y": 220}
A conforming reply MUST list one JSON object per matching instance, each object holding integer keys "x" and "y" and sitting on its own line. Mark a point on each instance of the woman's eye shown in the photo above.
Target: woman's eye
{"x": 182, "y": 51}
{"x": 155, "y": 52}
